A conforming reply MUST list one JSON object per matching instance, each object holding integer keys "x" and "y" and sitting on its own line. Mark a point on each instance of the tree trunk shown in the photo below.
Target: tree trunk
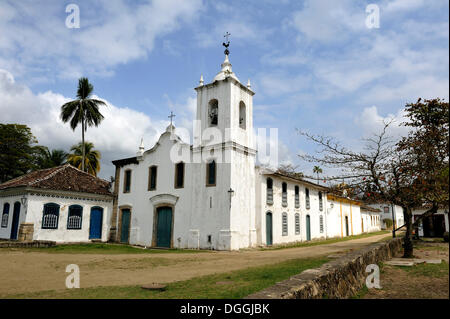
{"x": 408, "y": 244}
{"x": 82, "y": 145}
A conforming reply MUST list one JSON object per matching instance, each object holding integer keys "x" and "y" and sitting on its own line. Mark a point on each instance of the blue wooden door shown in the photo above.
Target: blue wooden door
{"x": 15, "y": 221}
{"x": 95, "y": 228}
{"x": 164, "y": 227}
{"x": 125, "y": 229}
{"x": 269, "y": 236}
{"x": 308, "y": 227}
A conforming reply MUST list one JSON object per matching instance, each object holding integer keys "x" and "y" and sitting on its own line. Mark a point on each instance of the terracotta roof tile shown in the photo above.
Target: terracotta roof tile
{"x": 63, "y": 178}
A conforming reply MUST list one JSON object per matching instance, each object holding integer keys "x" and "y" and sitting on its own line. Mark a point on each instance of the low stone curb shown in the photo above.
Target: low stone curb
{"x": 338, "y": 279}
{"x": 27, "y": 244}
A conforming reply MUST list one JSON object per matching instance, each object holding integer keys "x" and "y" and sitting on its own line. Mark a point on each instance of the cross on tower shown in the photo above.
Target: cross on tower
{"x": 171, "y": 116}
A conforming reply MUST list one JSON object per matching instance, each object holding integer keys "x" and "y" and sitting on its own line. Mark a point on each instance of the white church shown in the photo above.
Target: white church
{"x": 209, "y": 195}
{"x": 215, "y": 196}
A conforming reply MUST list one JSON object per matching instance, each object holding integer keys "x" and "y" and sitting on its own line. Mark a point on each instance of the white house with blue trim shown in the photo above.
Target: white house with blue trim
{"x": 61, "y": 204}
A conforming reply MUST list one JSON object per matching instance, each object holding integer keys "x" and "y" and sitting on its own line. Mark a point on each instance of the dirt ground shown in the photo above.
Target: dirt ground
{"x": 22, "y": 271}
{"x": 399, "y": 283}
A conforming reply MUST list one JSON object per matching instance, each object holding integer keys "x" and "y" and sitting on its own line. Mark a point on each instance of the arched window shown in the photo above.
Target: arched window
{"x": 179, "y": 175}
{"x": 297, "y": 196}
{"x": 5, "y": 215}
{"x": 269, "y": 191}
{"x": 211, "y": 174}
{"x": 284, "y": 194}
{"x": 307, "y": 197}
{"x": 321, "y": 223}
{"x": 242, "y": 116}
{"x": 213, "y": 112}
{"x": 75, "y": 217}
{"x": 297, "y": 224}
{"x": 50, "y": 216}
{"x": 284, "y": 224}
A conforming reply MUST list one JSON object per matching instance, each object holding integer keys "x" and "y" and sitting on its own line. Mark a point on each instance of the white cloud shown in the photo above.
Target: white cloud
{"x": 110, "y": 33}
{"x": 372, "y": 122}
{"x": 117, "y": 136}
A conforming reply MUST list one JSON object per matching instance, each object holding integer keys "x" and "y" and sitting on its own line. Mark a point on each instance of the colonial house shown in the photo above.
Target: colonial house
{"x": 213, "y": 196}
{"x": 61, "y": 204}
{"x": 370, "y": 219}
{"x": 432, "y": 226}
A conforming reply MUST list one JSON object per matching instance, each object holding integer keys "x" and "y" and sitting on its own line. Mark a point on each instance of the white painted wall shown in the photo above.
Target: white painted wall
{"x": 34, "y": 211}
{"x": 277, "y": 209}
{"x": 398, "y": 213}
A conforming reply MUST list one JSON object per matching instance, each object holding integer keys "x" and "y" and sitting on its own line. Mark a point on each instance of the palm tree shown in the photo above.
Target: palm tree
{"x": 83, "y": 110}
{"x": 317, "y": 170}
{"x": 91, "y": 157}
{"x": 44, "y": 158}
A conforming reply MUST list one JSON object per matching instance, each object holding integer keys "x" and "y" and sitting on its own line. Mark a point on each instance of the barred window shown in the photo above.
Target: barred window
{"x": 297, "y": 224}
{"x": 75, "y": 217}
{"x": 297, "y": 197}
{"x": 50, "y": 217}
{"x": 284, "y": 224}
{"x": 321, "y": 223}
{"x": 5, "y": 215}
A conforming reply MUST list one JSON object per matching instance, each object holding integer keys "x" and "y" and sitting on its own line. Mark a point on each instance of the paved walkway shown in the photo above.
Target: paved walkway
{"x": 22, "y": 271}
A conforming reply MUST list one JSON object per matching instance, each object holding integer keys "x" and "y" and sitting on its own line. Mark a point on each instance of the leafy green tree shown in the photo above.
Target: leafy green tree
{"x": 17, "y": 151}
{"x": 84, "y": 110}
{"x": 91, "y": 157}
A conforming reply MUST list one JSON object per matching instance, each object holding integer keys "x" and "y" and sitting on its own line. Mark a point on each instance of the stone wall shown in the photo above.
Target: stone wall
{"x": 27, "y": 244}
{"x": 338, "y": 279}
{"x": 26, "y": 231}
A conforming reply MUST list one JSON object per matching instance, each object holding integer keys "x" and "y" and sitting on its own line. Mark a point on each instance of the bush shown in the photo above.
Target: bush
{"x": 388, "y": 223}
{"x": 446, "y": 236}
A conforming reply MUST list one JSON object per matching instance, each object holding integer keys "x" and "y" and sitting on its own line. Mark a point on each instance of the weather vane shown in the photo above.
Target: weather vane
{"x": 227, "y": 43}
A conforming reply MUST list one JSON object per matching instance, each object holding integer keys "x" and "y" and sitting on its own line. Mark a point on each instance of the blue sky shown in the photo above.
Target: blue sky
{"x": 313, "y": 64}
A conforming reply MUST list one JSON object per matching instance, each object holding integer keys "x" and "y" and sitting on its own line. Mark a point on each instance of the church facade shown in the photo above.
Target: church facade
{"x": 212, "y": 195}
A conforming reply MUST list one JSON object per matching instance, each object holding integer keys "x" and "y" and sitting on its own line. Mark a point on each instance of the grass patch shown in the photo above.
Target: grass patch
{"x": 235, "y": 284}
{"x": 432, "y": 247}
{"x": 325, "y": 241}
{"x": 428, "y": 270}
{"x": 101, "y": 248}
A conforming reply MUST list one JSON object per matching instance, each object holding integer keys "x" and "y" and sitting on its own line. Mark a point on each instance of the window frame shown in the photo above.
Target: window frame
{"x": 177, "y": 165}
{"x": 321, "y": 224}
{"x": 284, "y": 199}
{"x": 44, "y": 213}
{"x": 127, "y": 180}
{"x": 5, "y": 215}
{"x": 297, "y": 196}
{"x": 208, "y": 184}
{"x": 307, "y": 198}
{"x": 297, "y": 224}
{"x": 150, "y": 176}
{"x": 211, "y": 104}
{"x": 71, "y": 207}
{"x": 284, "y": 224}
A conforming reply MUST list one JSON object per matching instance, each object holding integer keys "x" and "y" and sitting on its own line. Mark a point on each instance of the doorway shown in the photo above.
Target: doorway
{"x": 164, "y": 227}
{"x": 308, "y": 227}
{"x": 15, "y": 221}
{"x": 269, "y": 234}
